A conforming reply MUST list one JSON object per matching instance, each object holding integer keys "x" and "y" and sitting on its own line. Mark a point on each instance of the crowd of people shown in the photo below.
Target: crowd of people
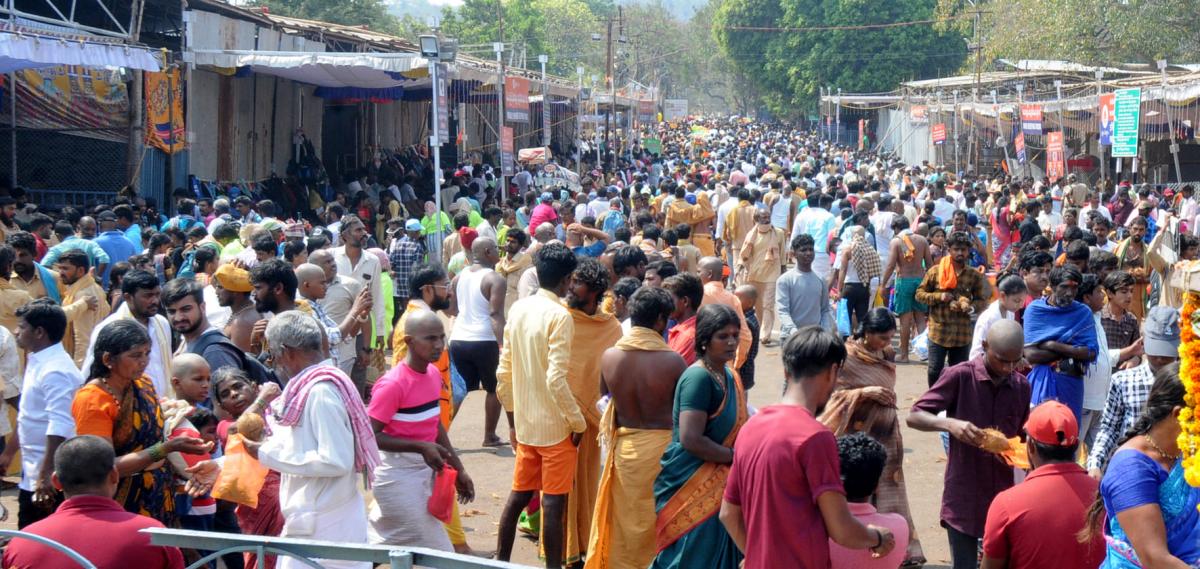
{"x": 615, "y": 328}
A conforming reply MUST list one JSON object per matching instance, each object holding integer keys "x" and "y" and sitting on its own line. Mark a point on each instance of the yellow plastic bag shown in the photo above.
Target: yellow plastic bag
{"x": 242, "y": 476}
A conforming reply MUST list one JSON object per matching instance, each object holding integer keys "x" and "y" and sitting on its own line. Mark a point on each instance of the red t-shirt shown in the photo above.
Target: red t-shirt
{"x": 1033, "y": 524}
{"x": 408, "y": 402}
{"x": 783, "y": 461}
{"x": 204, "y": 505}
{"x": 682, "y": 339}
{"x": 97, "y": 528}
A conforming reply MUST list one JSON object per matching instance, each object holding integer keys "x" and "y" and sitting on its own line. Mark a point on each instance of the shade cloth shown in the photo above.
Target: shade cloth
{"x": 28, "y": 50}
{"x": 362, "y": 70}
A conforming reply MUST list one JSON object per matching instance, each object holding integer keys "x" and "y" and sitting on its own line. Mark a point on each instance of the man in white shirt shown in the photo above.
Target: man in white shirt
{"x": 353, "y": 261}
{"x": 487, "y": 227}
{"x": 141, "y": 295}
{"x": 338, "y": 302}
{"x": 1048, "y": 220}
{"x": 44, "y": 420}
{"x": 321, "y": 439}
{"x": 816, "y": 222}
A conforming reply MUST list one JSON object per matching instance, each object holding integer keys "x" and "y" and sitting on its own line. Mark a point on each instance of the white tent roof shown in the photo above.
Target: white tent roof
{"x": 20, "y": 50}
{"x": 362, "y": 70}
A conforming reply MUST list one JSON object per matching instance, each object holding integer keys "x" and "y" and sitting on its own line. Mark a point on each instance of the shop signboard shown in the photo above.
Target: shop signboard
{"x": 1056, "y": 160}
{"x": 1126, "y": 112}
{"x": 675, "y": 109}
{"x": 507, "y": 151}
{"x": 1107, "y": 112}
{"x": 1031, "y": 119}
{"x": 516, "y": 99}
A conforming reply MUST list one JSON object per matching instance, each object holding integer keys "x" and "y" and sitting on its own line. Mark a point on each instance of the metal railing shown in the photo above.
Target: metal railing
{"x": 309, "y": 551}
{"x": 71, "y": 553}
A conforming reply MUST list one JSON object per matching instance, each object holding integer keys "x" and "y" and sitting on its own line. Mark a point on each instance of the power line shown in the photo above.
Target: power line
{"x": 847, "y": 27}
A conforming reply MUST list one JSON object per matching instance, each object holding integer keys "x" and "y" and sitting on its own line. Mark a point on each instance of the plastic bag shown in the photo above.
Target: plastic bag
{"x": 441, "y": 501}
{"x": 242, "y": 476}
{"x": 843, "y": 317}
{"x": 920, "y": 345}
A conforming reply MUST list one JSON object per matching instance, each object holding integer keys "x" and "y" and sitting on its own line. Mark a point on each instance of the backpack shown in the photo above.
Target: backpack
{"x": 255, "y": 370}
{"x": 613, "y": 221}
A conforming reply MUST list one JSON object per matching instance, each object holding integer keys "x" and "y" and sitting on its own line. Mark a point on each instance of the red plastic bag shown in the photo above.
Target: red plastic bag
{"x": 242, "y": 477}
{"x": 441, "y": 502}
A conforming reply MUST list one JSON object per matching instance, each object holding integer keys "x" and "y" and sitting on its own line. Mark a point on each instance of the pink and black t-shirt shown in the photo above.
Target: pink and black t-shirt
{"x": 408, "y": 402}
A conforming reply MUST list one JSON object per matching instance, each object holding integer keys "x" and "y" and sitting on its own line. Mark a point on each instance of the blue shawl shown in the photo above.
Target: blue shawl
{"x": 1073, "y": 325}
{"x": 49, "y": 282}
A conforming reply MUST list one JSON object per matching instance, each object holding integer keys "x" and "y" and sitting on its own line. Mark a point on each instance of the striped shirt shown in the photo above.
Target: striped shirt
{"x": 407, "y": 402}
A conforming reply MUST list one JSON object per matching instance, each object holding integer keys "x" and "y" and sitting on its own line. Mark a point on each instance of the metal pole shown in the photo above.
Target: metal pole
{"x": 838, "y": 120}
{"x": 1000, "y": 134}
{"x": 578, "y": 120}
{"x": 435, "y": 148}
{"x": 1103, "y": 152}
{"x": 612, "y": 87}
{"x": 1162, "y": 67}
{"x": 956, "y": 165}
{"x": 12, "y": 134}
{"x": 542, "y": 59}
{"x": 498, "y": 47}
{"x": 1020, "y": 100}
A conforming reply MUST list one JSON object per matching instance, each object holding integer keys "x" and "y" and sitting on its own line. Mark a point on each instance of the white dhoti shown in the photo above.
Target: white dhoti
{"x": 400, "y": 515}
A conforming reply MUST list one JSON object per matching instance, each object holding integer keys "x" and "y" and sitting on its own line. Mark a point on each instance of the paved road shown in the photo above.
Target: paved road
{"x": 924, "y": 462}
{"x": 492, "y": 468}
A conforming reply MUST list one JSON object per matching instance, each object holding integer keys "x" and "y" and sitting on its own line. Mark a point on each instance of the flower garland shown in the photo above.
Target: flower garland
{"x": 1189, "y": 373}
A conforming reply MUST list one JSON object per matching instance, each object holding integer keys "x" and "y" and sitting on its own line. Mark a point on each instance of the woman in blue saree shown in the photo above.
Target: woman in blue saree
{"x": 1151, "y": 511}
{"x": 709, "y": 409}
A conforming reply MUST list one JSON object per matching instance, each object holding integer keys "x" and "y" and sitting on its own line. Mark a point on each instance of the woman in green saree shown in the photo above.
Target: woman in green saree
{"x": 709, "y": 409}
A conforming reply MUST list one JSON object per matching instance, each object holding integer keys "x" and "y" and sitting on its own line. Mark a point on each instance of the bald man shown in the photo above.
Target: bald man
{"x": 311, "y": 286}
{"x": 985, "y": 392}
{"x": 712, "y": 275}
{"x": 478, "y": 293}
{"x": 412, "y": 442}
{"x": 341, "y": 293}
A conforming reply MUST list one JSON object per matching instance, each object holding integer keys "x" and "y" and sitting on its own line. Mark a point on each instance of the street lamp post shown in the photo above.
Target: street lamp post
{"x": 436, "y": 51}
{"x": 578, "y": 122}
{"x": 542, "y": 59}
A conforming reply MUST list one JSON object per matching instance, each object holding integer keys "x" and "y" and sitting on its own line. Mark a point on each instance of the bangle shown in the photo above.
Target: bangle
{"x": 879, "y": 537}
{"x": 156, "y": 452}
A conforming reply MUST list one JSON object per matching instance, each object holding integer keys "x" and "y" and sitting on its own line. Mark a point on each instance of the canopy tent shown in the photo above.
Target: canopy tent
{"x": 323, "y": 69}
{"x": 23, "y": 50}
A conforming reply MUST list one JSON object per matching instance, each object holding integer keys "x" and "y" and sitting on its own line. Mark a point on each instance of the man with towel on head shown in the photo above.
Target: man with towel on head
{"x": 639, "y": 373}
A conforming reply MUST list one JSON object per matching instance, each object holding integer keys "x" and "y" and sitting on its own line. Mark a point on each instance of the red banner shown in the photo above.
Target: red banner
{"x": 939, "y": 133}
{"x": 918, "y": 113}
{"x": 1031, "y": 119}
{"x": 516, "y": 99}
{"x": 1056, "y": 163}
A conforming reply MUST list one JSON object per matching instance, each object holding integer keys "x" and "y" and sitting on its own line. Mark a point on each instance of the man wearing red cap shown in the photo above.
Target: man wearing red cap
{"x": 1033, "y": 525}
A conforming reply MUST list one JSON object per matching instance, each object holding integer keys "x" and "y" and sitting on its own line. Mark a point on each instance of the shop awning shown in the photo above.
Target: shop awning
{"x": 22, "y": 50}
{"x": 359, "y": 70}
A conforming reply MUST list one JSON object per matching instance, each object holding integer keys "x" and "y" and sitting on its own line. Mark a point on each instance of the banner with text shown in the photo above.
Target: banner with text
{"x": 939, "y": 133}
{"x": 1127, "y": 109}
{"x": 675, "y": 109}
{"x": 443, "y": 98}
{"x": 1019, "y": 142}
{"x": 1056, "y": 160}
{"x": 645, "y": 112}
{"x": 919, "y": 113}
{"x": 1031, "y": 119}
{"x": 516, "y": 99}
{"x": 506, "y": 151}
{"x": 1107, "y": 111}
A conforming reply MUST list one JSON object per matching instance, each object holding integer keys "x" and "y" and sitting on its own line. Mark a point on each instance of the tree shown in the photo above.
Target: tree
{"x": 792, "y": 65}
{"x": 560, "y": 29}
{"x": 1082, "y": 31}
{"x": 371, "y": 13}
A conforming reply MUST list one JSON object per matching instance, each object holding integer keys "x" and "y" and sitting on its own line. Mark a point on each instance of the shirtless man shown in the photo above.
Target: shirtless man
{"x": 909, "y": 256}
{"x": 639, "y": 373}
{"x": 477, "y": 297}
{"x": 232, "y": 285}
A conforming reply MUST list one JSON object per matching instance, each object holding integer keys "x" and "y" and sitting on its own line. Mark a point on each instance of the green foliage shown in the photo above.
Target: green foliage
{"x": 1083, "y": 31}
{"x": 370, "y": 13}
{"x": 792, "y": 65}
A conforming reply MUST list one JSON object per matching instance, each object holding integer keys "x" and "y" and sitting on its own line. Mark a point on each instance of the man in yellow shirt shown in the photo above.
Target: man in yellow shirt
{"x": 761, "y": 263}
{"x": 31, "y": 277}
{"x": 532, "y": 385}
{"x": 11, "y": 298}
{"x": 84, "y": 302}
{"x": 738, "y": 224}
